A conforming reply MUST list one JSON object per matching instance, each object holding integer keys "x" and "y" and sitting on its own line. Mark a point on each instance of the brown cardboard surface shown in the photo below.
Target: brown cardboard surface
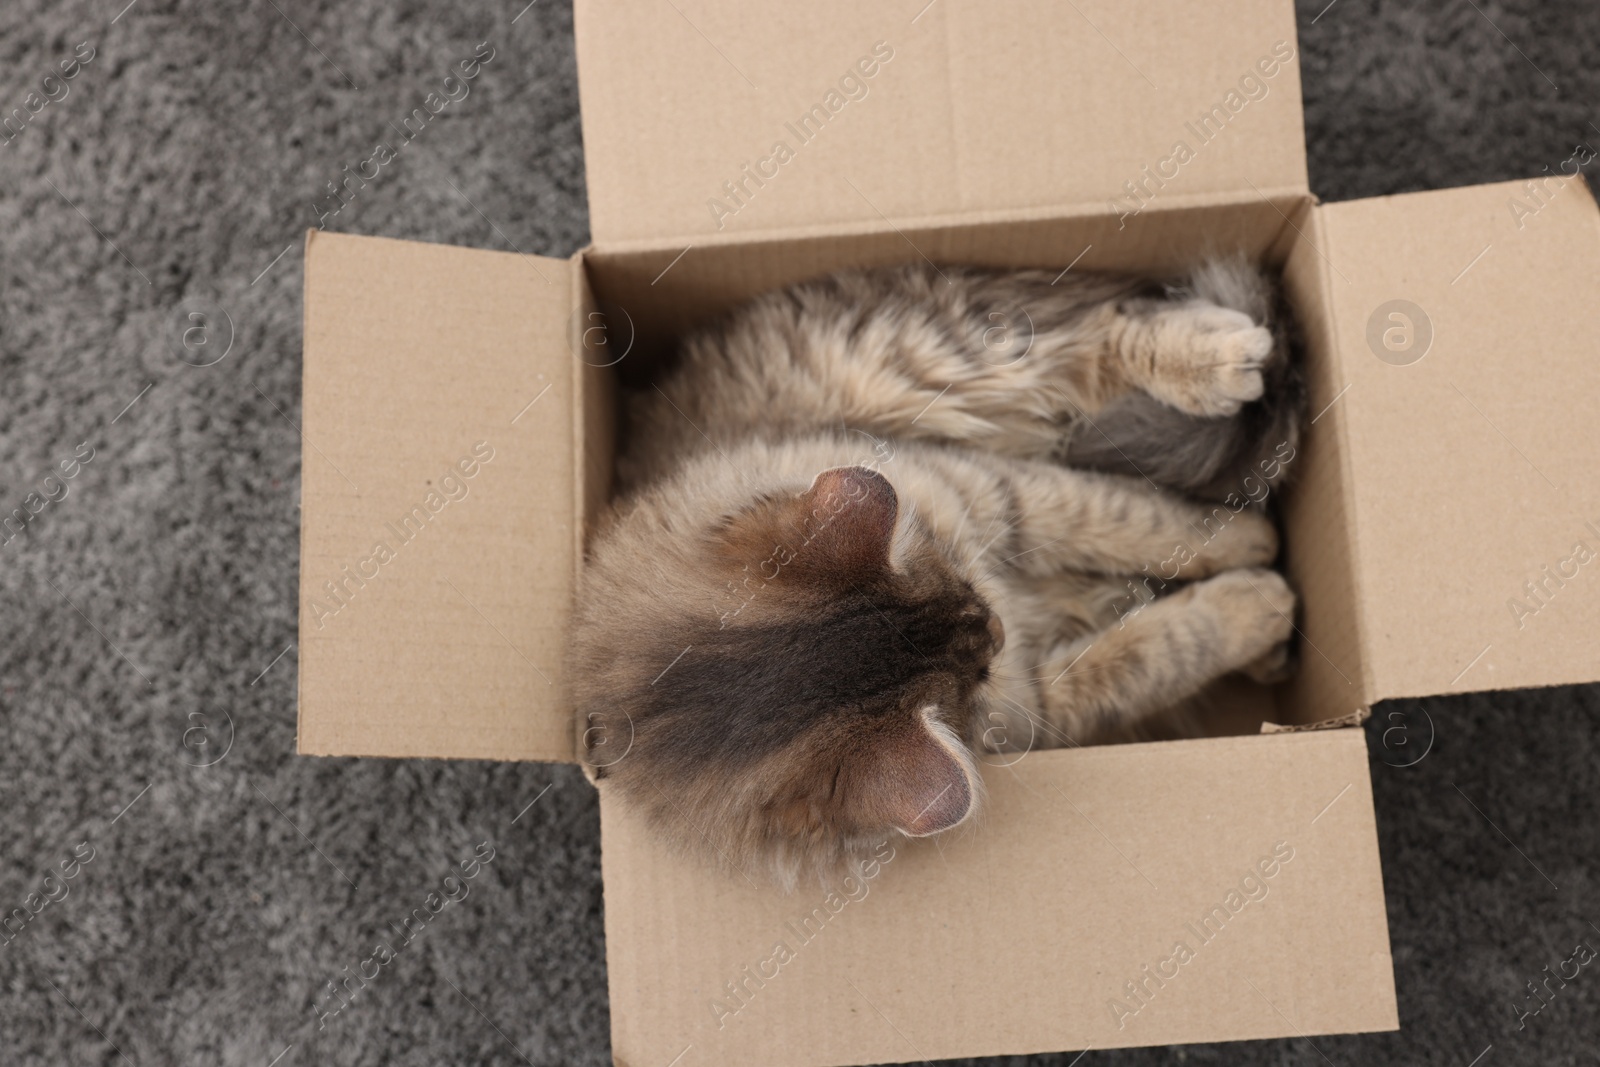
{"x": 1472, "y": 469}
{"x": 1318, "y": 518}
{"x": 660, "y": 292}
{"x": 975, "y": 110}
{"x": 1016, "y": 935}
{"x": 447, "y": 644}
{"x": 601, "y": 342}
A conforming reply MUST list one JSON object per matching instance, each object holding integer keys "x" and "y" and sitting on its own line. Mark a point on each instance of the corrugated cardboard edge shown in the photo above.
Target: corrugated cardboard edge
{"x": 305, "y": 331}
{"x": 577, "y": 291}
{"x": 593, "y": 387}
{"x": 1355, "y": 718}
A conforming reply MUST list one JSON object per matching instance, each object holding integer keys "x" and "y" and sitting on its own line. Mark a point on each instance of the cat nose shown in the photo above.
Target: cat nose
{"x": 997, "y": 632}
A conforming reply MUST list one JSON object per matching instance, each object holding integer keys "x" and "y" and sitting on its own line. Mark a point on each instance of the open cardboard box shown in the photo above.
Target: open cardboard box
{"x": 462, "y": 408}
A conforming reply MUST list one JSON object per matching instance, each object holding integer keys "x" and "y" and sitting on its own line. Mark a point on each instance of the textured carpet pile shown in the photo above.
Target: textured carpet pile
{"x": 147, "y": 668}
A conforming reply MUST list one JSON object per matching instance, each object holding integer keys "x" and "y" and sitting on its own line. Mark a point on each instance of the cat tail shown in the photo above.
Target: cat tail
{"x": 1209, "y": 457}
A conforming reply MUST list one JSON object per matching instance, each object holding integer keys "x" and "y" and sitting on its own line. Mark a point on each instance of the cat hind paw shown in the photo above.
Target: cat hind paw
{"x": 1224, "y": 352}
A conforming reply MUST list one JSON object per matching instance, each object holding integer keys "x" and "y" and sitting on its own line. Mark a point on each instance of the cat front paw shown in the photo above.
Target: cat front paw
{"x": 1278, "y": 665}
{"x": 1220, "y": 355}
{"x": 1243, "y": 539}
{"x": 1255, "y": 609}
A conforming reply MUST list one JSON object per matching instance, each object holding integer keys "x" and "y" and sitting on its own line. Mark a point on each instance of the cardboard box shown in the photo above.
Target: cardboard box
{"x": 461, "y": 404}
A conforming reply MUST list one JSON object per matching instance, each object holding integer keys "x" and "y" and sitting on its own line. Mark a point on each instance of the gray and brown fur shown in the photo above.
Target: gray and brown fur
{"x": 847, "y": 556}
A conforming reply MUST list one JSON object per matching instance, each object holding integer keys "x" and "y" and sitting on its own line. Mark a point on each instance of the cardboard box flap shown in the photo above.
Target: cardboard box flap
{"x": 1465, "y": 322}
{"x": 1053, "y": 924}
{"x": 705, "y": 117}
{"x": 437, "y": 501}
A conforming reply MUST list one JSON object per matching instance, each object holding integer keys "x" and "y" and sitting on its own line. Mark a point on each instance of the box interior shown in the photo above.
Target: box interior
{"x": 1088, "y": 864}
{"x": 639, "y": 301}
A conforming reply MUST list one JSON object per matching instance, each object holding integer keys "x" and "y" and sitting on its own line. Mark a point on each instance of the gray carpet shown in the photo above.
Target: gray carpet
{"x": 150, "y": 607}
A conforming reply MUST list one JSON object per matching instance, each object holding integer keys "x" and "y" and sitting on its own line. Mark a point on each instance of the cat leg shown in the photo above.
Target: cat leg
{"x": 1067, "y": 519}
{"x": 1197, "y": 356}
{"x": 1099, "y": 685}
{"x": 1039, "y": 348}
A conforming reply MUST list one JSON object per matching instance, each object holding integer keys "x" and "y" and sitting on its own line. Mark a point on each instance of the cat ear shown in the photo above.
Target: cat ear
{"x": 848, "y": 517}
{"x": 919, "y": 779}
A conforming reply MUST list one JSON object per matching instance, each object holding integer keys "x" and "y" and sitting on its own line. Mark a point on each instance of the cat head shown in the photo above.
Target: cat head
{"x": 802, "y": 692}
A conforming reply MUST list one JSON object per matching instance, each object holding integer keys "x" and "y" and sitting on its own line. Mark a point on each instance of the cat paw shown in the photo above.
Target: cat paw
{"x": 1234, "y": 539}
{"x": 1255, "y": 609}
{"x": 1278, "y": 665}
{"x": 1220, "y": 353}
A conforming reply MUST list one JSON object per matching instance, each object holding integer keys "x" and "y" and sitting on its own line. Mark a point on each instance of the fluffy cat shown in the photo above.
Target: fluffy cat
{"x": 849, "y": 553}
